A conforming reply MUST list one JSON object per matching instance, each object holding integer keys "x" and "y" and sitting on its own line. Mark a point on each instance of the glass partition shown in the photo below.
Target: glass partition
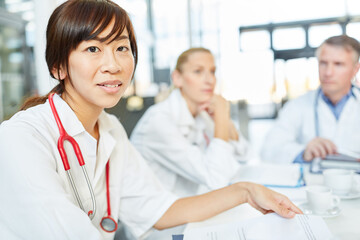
{"x": 15, "y": 79}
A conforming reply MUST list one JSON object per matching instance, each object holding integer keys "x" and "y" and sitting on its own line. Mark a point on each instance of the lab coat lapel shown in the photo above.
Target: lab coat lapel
{"x": 194, "y": 129}
{"x": 181, "y": 113}
{"x": 68, "y": 118}
{"x": 202, "y": 136}
{"x": 105, "y": 147}
{"x": 87, "y": 144}
{"x": 327, "y": 119}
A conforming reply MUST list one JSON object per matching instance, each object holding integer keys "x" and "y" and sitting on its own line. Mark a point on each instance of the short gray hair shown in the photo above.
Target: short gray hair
{"x": 343, "y": 41}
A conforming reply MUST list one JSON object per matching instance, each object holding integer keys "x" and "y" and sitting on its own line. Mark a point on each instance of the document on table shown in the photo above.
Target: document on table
{"x": 267, "y": 227}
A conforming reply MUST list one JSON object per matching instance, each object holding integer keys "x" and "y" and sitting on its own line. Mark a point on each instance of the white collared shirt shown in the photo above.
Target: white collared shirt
{"x": 173, "y": 143}
{"x": 37, "y": 200}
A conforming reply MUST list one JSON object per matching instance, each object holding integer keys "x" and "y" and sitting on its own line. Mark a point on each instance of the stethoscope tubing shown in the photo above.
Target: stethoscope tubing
{"x": 64, "y": 136}
{"x": 316, "y": 115}
{"x": 107, "y": 223}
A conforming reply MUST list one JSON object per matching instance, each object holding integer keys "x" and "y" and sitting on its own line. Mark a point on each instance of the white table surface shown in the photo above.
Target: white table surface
{"x": 345, "y": 226}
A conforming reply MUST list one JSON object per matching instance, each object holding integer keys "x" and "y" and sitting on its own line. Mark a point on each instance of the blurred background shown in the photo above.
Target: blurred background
{"x": 264, "y": 51}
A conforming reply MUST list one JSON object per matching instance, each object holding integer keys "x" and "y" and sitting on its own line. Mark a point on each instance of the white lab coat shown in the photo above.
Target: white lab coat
{"x": 295, "y": 127}
{"x": 173, "y": 143}
{"x": 36, "y": 199}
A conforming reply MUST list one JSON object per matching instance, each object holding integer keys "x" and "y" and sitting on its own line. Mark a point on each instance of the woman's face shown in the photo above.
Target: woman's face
{"x": 197, "y": 79}
{"x": 100, "y": 71}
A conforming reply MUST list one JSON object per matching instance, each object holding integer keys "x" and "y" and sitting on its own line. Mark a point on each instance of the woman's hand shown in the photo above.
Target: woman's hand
{"x": 217, "y": 107}
{"x": 233, "y": 133}
{"x": 219, "y": 110}
{"x": 267, "y": 201}
{"x": 201, "y": 207}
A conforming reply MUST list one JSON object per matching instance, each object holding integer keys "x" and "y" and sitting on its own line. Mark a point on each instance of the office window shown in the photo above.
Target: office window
{"x": 353, "y": 7}
{"x": 169, "y": 18}
{"x": 211, "y": 41}
{"x": 353, "y": 30}
{"x": 255, "y": 40}
{"x": 280, "y": 88}
{"x": 296, "y": 76}
{"x": 170, "y": 30}
{"x": 252, "y": 12}
{"x": 317, "y": 34}
{"x": 288, "y": 38}
{"x": 285, "y": 10}
{"x": 312, "y": 73}
{"x": 197, "y": 23}
{"x": 166, "y": 52}
{"x": 253, "y": 80}
{"x": 210, "y": 15}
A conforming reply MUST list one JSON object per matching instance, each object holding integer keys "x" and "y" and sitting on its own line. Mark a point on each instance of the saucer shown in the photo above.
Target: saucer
{"x": 351, "y": 195}
{"x": 333, "y": 212}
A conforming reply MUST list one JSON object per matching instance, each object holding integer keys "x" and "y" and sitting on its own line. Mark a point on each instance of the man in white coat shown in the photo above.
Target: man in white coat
{"x": 324, "y": 121}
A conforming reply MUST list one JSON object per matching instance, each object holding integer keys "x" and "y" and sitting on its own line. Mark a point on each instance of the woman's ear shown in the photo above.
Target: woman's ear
{"x": 58, "y": 74}
{"x": 177, "y": 78}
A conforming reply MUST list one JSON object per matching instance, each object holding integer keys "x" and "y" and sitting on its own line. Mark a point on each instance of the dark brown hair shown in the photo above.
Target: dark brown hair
{"x": 75, "y": 21}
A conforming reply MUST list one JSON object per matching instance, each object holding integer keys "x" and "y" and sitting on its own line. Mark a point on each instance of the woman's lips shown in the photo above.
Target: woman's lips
{"x": 207, "y": 90}
{"x": 110, "y": 86}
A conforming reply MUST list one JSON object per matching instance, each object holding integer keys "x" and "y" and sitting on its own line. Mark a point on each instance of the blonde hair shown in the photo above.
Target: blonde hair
{"x": 183, "y": 58}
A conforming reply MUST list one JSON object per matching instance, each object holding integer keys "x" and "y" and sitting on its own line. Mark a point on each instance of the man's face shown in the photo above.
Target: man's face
{"x": 337, "y": 67}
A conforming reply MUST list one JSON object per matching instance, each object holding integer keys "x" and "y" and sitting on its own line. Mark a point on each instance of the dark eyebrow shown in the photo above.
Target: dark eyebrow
{"x": 121, "y": 37}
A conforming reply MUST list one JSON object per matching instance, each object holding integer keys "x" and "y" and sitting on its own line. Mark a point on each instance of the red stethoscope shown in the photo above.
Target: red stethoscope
{"x": 108, "y": 224}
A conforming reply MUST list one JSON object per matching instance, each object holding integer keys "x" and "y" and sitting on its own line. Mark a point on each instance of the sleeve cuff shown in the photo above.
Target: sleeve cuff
{"x": 159, "y": 213}
{"x": 299, "y": 158}
{"x": 222, "y": 144}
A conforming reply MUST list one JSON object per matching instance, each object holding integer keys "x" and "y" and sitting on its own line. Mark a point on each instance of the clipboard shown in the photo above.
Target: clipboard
{"x": 335, "y": 161}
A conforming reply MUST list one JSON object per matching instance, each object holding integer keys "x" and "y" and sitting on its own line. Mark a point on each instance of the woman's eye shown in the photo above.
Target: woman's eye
{"x": 197, "y": 71}
{"x": 93, "y": 49}
{"x": 122, "y": 49}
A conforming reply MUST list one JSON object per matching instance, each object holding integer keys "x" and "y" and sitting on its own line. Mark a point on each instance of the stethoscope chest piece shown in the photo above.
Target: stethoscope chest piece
{"x": 108, "y": 224}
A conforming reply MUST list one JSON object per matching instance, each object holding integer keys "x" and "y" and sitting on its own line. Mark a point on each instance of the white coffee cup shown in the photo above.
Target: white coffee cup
{"x": 339, "y": 180}
{"x": 320, "y": 198}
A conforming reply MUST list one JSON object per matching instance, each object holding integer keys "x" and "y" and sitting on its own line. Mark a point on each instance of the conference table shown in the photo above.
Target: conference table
{"x": 344, "y": 226}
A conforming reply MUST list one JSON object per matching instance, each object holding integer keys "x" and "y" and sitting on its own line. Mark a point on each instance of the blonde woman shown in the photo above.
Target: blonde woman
{"x": 189, "y": 139}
